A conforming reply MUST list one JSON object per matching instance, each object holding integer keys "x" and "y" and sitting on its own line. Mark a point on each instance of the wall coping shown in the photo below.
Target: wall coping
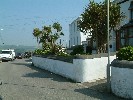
{"x": 94, "y": 55}
{"x": 122, "y": 64}
{"x": 60, "y": 58}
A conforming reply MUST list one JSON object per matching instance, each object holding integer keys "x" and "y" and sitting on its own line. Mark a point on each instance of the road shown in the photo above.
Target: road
{"x": 21, "y": 81}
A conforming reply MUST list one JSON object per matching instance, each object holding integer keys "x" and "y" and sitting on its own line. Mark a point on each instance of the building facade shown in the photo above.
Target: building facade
{"x": 76, "y": 37}
{"x": 124, "y": 36}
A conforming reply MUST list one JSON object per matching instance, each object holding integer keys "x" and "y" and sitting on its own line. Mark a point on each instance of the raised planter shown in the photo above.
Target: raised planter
{"x": 122, "y": 78}
{"x": 79, "y": 70}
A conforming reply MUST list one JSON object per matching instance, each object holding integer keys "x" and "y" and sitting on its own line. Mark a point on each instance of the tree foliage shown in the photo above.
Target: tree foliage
{"x": 48, "y": 36}
{"x": 36, "y": 33}
{"x": 94, "y": 19}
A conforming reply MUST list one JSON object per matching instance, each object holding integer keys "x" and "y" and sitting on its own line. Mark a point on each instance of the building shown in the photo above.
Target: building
{"x": 76, "y": 37}
{"x": 124, "y": 36}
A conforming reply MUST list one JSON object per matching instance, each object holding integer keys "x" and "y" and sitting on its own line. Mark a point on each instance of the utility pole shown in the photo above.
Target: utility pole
{"x": 108, "y": 65}
{"x": 1, "y": 80}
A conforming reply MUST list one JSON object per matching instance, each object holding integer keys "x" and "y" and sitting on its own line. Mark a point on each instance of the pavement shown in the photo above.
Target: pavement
{"x": 21, "y": 81}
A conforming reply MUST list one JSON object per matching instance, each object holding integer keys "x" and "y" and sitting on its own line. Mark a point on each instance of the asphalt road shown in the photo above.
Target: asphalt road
{"x": 21, "y": 81}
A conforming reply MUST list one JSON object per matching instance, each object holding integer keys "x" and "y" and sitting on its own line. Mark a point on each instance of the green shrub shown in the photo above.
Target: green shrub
{"x": 125, "y": 53}
{"x": 38, "y": 52}
{"x": 79, "y": 49}
{"x": 49, "y": 52}
{"x": 62, "y": 53}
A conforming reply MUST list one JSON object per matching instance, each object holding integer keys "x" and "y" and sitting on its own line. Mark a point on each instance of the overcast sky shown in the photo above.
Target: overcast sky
{"x": 19, "y": 17}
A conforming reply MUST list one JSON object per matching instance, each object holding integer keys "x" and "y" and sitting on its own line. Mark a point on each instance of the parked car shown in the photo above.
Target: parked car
{"x": 0, "y": 59}
{"x": 18, "y": 56}
{"x": 7, "y": 55}
{"x": 27, "y": 54}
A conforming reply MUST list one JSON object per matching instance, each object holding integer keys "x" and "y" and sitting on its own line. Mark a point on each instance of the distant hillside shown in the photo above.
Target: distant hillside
{"x": 18, "y": 49}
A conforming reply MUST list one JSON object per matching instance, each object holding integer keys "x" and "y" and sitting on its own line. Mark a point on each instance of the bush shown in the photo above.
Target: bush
{"x": 125, "y": 53}
{"x": 79, "y": 49}
{"x": 41, "y": 52}
{"x": 49, "y": 52}
{"x": 62, "y": 53}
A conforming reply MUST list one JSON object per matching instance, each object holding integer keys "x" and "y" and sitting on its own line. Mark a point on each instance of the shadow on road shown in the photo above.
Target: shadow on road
{"x": 47, "y": 74}
{"x": 42, "y": 73}
{"x": 96, "y": 91}
{"x": 28, "y": 60}
{"x": 33, "y": 86}
{"x": 0, "y": 98}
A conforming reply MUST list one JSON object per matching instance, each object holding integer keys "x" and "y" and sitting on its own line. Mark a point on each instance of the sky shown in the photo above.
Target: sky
{"x": 18, "y": 18}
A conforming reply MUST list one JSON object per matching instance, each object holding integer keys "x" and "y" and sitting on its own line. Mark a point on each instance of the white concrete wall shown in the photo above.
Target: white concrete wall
{"x": 55, "y": 66}
{"x": 81, "y": 70}
{"x": 122, "y": 82}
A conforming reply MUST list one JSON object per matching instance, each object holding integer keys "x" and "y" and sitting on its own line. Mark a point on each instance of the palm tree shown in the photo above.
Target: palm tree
{"x": 37, "y": 33}
{"x": 50, "y": 34}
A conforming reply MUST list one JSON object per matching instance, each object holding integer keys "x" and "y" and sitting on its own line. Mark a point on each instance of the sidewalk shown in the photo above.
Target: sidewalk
{"x": 99, "y": 85}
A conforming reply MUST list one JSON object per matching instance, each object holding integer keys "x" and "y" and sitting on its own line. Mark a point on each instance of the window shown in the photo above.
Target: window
{"x": 74, "y": 27}
{"x": 131, "y": 14}
{"x": 71, "y": 42}
{"x": 131, "y": 41}
{"x": 130, "y": 32}
{"x": 123, "y": 34}
{"x": 74, "y": 41}
{"x": 77, "y": 26}
{"x": 6, "y": 52}
{"x": 131, "y": 10}
{"x": 77, "y": 40}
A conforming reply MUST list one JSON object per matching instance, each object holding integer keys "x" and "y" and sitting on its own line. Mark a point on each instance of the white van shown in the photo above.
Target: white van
{"x": 7, "y": 55}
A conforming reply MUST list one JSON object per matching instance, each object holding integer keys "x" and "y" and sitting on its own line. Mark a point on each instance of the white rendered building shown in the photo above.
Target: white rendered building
{"x": 76, "y": 37}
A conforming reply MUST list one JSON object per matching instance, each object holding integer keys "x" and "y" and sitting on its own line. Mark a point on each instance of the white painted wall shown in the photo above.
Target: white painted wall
{"x": 81, "y": 70}
{"x": 122, "y": 82}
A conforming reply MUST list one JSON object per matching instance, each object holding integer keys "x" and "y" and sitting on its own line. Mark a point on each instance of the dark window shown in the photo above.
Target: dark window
{"x": 74, "y": 40}
{"x": 74, "y": 27}
{"x": 6, "y": 52}
{"x": 77, "y": 40}
{"x": 131, "y": 10}
{"x": 131, "y": 14}
{"x": 123, "y": 34}
{"x": 130, "y": 32}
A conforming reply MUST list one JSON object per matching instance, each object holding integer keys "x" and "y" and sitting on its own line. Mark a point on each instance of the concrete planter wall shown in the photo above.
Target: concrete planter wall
{"x": 122, "y": 78}
{"x": 81, "y": 70}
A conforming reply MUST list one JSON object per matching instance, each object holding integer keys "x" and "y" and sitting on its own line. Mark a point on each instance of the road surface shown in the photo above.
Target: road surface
{"x": 21, "y": 81}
